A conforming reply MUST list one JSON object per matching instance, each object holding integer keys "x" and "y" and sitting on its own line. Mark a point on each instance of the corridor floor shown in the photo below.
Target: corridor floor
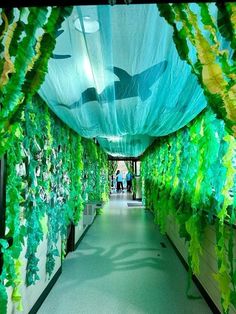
{"x": 121, "y": 266}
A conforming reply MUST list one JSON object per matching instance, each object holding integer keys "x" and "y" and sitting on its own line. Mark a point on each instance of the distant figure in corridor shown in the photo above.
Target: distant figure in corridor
{"x": 119, "y": 181}
{"x": 129, "y": 178}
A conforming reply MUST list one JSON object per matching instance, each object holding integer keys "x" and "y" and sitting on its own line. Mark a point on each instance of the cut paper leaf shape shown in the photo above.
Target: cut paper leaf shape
{"x": 213, "y": 78}
{"x": 3, "y": 299}
{"x": 8, "y": 67}
{"x": 230, "y": 102}
{"x": 44, "y": 222}
{"x": 212, "y": 57}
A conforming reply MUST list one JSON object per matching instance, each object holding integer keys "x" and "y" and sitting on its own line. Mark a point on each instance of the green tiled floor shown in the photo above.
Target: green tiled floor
{"x": 121, "y": 267}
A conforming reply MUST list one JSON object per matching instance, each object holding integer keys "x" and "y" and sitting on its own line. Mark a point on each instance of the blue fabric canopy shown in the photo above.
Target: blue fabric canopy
{"x": 115, "y": 75}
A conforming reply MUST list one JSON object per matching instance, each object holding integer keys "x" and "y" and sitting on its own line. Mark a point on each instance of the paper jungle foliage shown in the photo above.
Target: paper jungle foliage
{"x": 52, "y": 171}
{"x": 112, "y": 166}
{"x": 44, "y": 192}
{"x": 95, "y": 173}
{"x": 191, "y": 175}
{"x": 45, "y": 158}
{"x": 208, "y": 45}
{"x": 27, "y": 39}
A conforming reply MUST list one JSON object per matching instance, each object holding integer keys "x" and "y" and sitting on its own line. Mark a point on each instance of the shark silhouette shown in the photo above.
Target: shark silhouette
{"x": 128, "y": 86}
{"x": 55, "y": 56}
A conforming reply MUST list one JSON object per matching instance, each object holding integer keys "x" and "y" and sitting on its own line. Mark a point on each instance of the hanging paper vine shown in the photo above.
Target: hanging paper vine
{"x": 44, "y": 192}
{"x": 95, "y": 173}
{"x": 191, "y": 175}
{"x": 198, "y": 38}
{"x": 26, "y": 55}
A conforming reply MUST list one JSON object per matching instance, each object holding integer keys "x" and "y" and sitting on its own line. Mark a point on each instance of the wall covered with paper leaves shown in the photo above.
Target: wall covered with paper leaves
{"x": 191, "y": 175}
{"x": 27, "y": 40}
{"x": 46, "y": 164}
{"x": 95, "y": 173}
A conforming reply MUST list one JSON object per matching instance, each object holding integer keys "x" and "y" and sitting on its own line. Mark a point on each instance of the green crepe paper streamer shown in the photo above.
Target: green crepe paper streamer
{"x": 184, "y": 168}
{"x": 209, "y": 145}
{"x": 36, "y": 76}
{"x": 224, "y": 56}
{"x": 3, "y": 245}
{"x": 232, "y": 266}
{"x": 167, "y": 12}
{"x": 16, "y": 295}
{"x": 162, "y": 208}
{"x": 178, "y": 14}
{"x": 32, "y": 269}
{"x": 95, "y": 177}
{"x": 177, "y": 163}
{"x": 207, "y": 151}
{"x": 12, "y": 91}
{"x": 230, "y": 175}
{"x": 50, "y": 264}
{"x": 189, "y": 284}
{"x": 34, "y": 209}
{"x": 224, "y": 23}
{"x": 43, "y": 222}
{"x": 3, "y": 299}
{"x": 9, "y": 15}
{"x": 223, "y": 274}
{"x": 14, "y": 201}
{"x": 112, "y": 166}
{"x": 194, "y": 246}
{"x": 37, "y": 120}
{"x": 233, "y": 298}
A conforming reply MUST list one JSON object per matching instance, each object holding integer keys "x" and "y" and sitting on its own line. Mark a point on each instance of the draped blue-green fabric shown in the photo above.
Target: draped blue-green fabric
{"x": 119, "y": 79}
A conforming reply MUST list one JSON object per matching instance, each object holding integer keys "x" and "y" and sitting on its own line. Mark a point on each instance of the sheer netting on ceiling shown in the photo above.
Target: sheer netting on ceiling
{"x": 115, "y": 75}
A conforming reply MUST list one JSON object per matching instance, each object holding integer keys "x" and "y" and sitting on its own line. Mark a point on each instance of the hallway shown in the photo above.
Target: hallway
{"x": 123, "y": 265}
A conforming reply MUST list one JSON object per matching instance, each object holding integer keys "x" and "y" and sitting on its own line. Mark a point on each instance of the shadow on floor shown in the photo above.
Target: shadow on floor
{"x": 97, "y": 261}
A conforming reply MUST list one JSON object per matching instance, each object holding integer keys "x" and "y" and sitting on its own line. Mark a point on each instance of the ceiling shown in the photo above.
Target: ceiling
{"x": 116, "y": 76}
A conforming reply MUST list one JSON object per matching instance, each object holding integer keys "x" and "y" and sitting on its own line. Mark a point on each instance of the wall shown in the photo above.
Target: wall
{"x": 191, "y": 175}
{"x": 31, "y": 294}
{"x": 208, "y": 260}
{"x": 49, "y": 171}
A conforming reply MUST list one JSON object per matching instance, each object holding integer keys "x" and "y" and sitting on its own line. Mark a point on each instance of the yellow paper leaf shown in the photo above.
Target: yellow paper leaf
{"x": 37, "y": 55}
{"x": 213, "y": 78}
{"x": 205, "y": 54}
{"x": 234, "y": 130}
{"x": 230, "y": 103}
{"x": 233, "y": 16}
{"x": 8, "y": 65}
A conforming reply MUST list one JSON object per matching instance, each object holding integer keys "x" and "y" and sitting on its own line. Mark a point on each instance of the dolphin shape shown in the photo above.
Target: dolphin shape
{"x": 128, "y": 86}
{"x": 55, "y": 56}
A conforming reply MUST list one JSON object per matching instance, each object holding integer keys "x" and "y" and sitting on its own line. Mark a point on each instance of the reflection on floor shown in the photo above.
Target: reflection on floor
{"x": 123, "y": 265}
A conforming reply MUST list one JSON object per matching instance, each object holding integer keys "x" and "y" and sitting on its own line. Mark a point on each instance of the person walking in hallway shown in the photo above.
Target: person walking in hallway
{"x": 129, "y": 178}
{"x": 119, "y": 181}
